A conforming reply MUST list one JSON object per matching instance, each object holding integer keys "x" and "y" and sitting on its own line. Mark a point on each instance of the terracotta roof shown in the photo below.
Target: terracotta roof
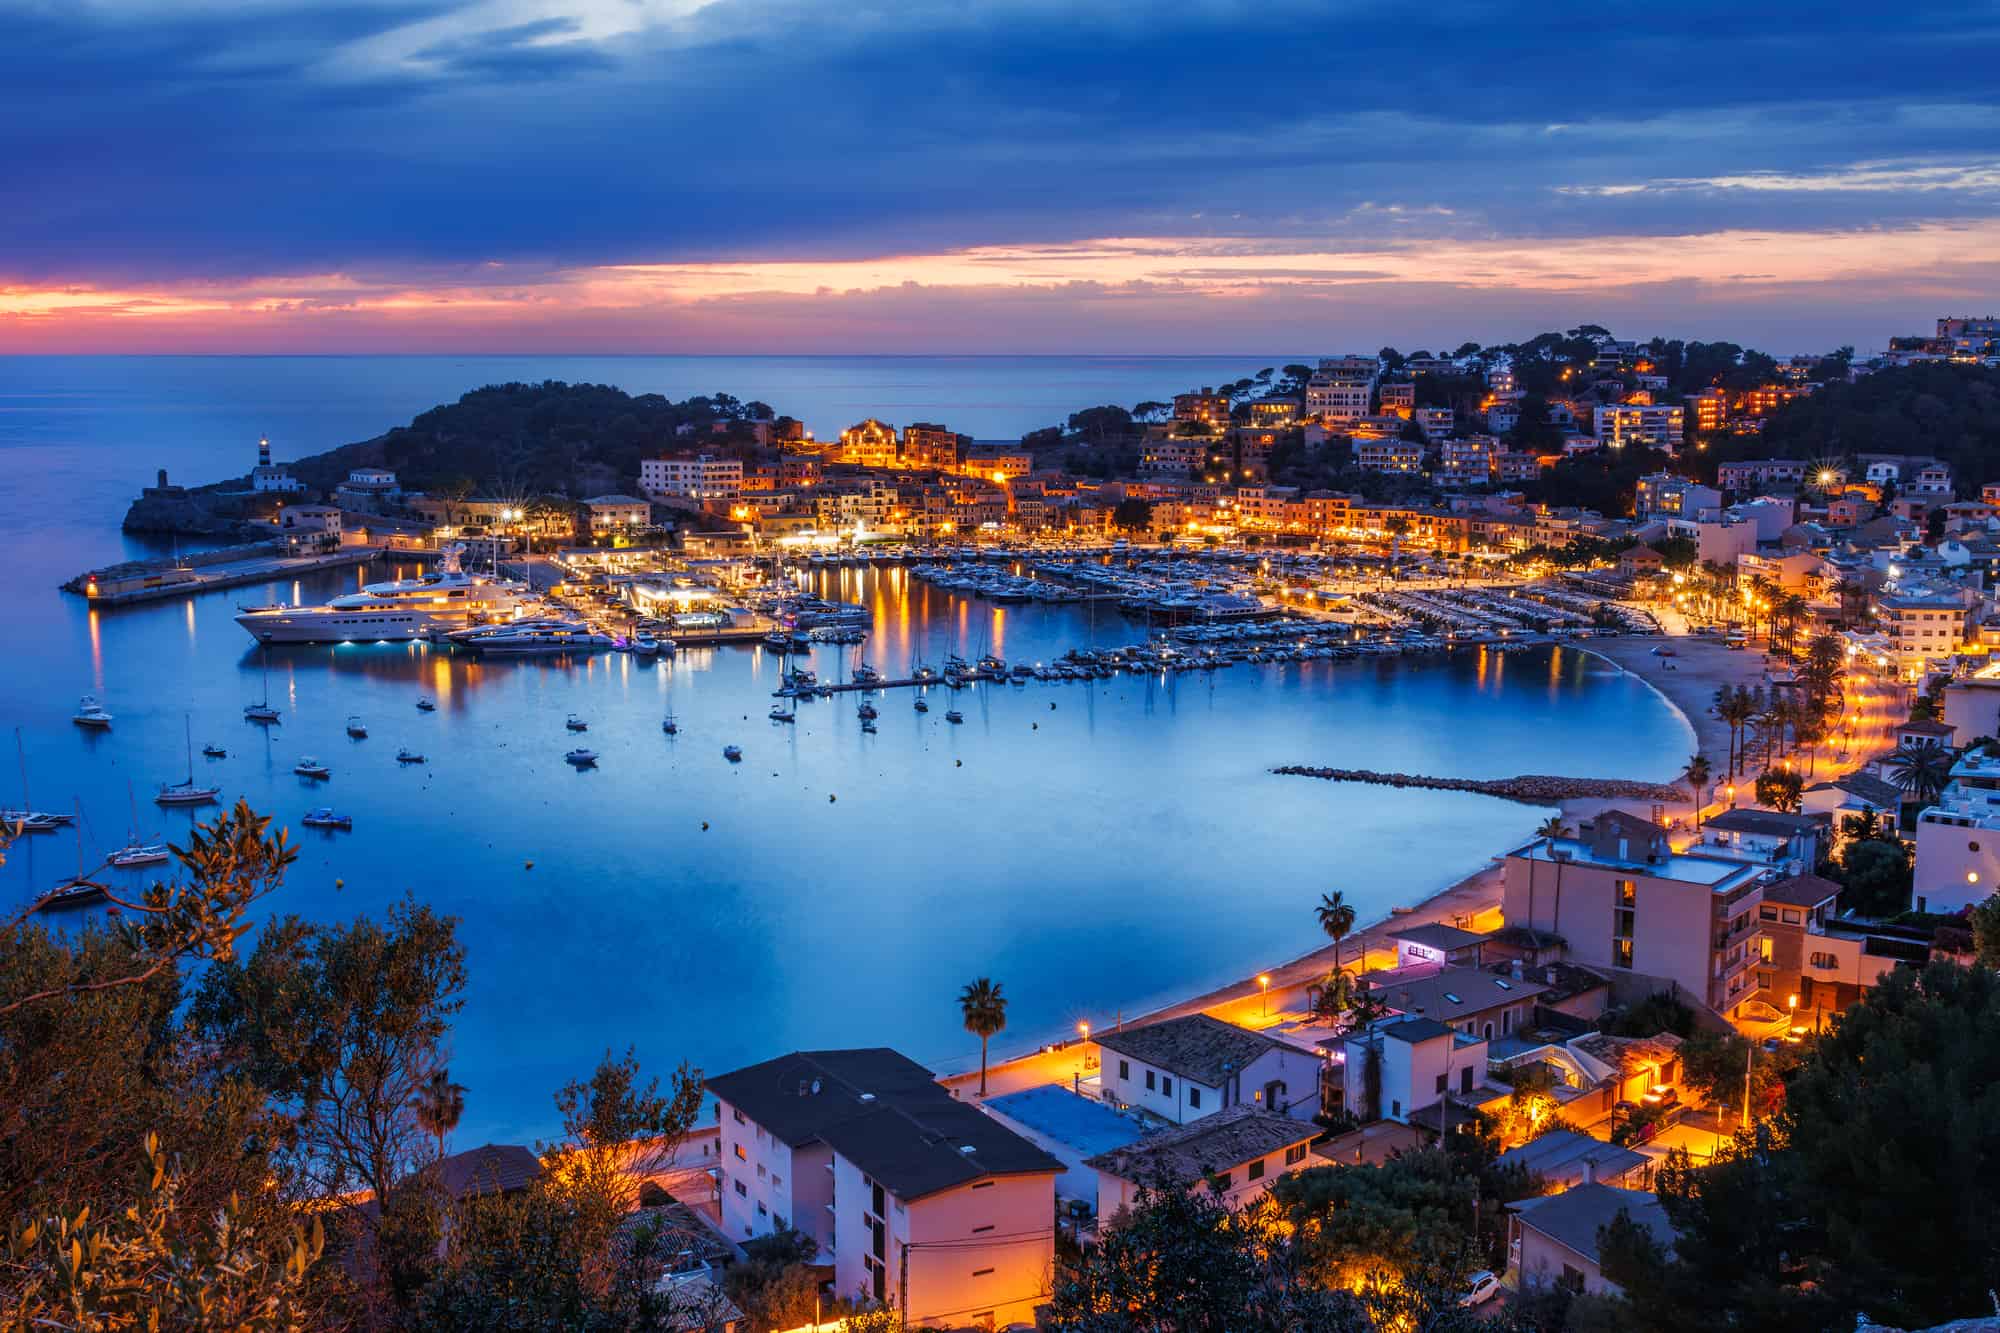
{"x": 493, "y": 1168}
{"x": 1452, "y": 992}
{"x": 1206, "y": 1050}
{"x": 1218, "y": 1142}
{"x": 1801, "y": 891}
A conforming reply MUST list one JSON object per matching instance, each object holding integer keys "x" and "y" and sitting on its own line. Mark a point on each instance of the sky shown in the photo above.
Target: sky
{"x": 1002, "y": 176}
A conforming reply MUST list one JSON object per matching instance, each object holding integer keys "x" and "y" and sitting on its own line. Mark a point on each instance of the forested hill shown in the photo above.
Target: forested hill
{"x": 547, "y": 438}
{"x": 1947, "y": 412}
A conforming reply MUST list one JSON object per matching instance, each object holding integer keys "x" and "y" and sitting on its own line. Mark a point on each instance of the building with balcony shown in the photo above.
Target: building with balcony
{"x": 370, "y": 490}
{"x": 1343, "y": 389}
{"x": 927, "y": 445}
{"x": 1236, "y": 1155}
{"x": 1809, "y": 954}
{"x": 1208, "y": 407}
{"x": 1389, "y": 455}
{"x": 1922, "y": 624}
{"x": 696, "y": 477}
{"x": 912, "y": 1196}
{"x": 1655, "y": 424}
{"x": 1619, "y": 897}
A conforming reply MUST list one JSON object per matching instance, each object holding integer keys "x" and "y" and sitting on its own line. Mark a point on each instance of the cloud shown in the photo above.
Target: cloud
{"x": 154, "y": 145}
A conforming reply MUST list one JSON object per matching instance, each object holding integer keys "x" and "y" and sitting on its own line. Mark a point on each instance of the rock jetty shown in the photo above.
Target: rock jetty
{"x": 1531, "y": 788}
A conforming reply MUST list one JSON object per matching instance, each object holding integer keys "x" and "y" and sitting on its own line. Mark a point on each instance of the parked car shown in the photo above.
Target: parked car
{"x": 1483, "y": 1288}
{"x": 1666, "y": 1094}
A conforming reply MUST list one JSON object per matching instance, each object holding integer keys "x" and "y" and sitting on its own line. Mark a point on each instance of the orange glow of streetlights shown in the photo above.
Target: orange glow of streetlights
{"x": 1264, "y": 983}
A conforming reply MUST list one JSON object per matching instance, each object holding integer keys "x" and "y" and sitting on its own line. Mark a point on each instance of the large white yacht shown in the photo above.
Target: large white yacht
{"x": 448, "y": 599}
{"x": 529, "y": 638}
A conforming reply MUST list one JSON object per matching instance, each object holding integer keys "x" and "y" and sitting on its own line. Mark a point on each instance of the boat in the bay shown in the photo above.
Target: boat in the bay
{"x": 531, "y": 638}
{"x": 187, "y": 791}
{"x": 426, "y": 704}
{"x": 575, "y": 723}
{"x": 733, "y": 753}
{"x": 325, "y": 816}
{"x": 581, "y": 758}
{"x": 780, "y": 714}
{"x": 309, "y": 767}
{"x": 409, "y": 757}
{"x": 401, "y": 609}
{"x": 671, "y": 727}
{"x": 90, "y": 714}
{"x": 953, "y": 715}
{"x": 357, "y": 728}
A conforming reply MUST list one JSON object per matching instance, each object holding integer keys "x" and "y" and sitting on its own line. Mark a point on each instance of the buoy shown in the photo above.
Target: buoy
{"x": 1052, "y": 708}
{"x": 1034, "y": 726}
{"x": 704, "y": 826}
{"x": 958, "y": 763}
{"x": 340, "y": 884}
{"x": 531, "y": 865}
{"x": 831, "y": 798}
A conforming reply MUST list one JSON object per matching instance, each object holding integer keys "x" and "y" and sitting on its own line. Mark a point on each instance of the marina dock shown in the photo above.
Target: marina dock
{"x": 157, "y": 580}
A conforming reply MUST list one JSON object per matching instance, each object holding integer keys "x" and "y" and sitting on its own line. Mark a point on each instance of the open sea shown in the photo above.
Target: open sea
{"x": 1098, "y": 848}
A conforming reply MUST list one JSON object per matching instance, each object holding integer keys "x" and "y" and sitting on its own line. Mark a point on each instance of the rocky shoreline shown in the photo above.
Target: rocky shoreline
{"x": 1530, "y": 788}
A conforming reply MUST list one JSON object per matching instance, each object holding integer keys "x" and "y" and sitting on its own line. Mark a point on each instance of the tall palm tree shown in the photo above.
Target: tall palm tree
{"x": 1920, "y": 772}
{"x": 1736, "y": 707}
{"x": 1792, "y": 609}
{"x": 1698, "y": 774}
{"x": 1550, "y": 829}
{"x": 985, "y": 1012}
{"x": 439, "y": 1105}
{"x": 1336, "y": 918}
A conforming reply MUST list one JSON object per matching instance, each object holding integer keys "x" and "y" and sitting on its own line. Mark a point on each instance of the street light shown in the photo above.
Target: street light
{"x": 1264, "y": 981}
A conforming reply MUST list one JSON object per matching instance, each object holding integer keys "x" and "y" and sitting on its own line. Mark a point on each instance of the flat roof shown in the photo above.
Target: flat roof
{"x": 1713, "y": 872}
{"x": 1438, "y": 935}
{"x": 1070, "y": 1119}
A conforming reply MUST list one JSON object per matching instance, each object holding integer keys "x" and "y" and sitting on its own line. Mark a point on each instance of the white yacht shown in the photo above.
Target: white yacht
{"x": 528, "y": 638}
{"x": 448, "y": 599}
{"x": 91, "y": 714}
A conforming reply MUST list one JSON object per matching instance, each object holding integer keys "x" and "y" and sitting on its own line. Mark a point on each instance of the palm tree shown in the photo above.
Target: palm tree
{"x": 439, "y": 1105}
{"x": 1920, "y": 772}
{"x": 1698, "y": 774}
{"x": 985, "y": 1012}
{"x": 1736, "y": 707}
{"x": 1336, "y": 918}
{"x": 1551, "y": 829}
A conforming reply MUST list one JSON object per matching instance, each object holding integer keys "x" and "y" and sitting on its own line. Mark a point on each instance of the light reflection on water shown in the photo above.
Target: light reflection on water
{"x": 1094, "y": 846}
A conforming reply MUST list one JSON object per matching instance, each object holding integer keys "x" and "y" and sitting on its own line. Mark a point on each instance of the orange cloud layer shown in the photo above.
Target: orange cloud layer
{"x": 676, "y": 304}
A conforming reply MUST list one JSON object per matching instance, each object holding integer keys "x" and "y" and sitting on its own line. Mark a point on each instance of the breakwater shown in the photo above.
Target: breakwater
{"x": 1531, "y": 788}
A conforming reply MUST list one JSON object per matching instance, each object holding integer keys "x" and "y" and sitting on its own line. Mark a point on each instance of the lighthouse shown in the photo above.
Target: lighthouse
{"x": 263, "y": 452}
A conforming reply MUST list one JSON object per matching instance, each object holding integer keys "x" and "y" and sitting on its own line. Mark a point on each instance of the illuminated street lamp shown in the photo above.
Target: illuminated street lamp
{"x": 1264, "y": 982}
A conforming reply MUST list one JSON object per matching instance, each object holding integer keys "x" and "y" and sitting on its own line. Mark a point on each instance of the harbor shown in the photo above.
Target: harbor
{"x": 135, "y": 582}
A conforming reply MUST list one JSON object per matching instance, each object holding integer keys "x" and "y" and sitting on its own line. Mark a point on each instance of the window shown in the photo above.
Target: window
{"x": 1124, "y": 1071}
{"x": 741, "y": 1156}
{"x": 1628, "y": 893}
{"x": 1295, "y": 1154}
{"x": 760, "y": 1171}
{"x": 985, "y": 1185}
{"x": 1791, "y": 917}
{"x": 739, "y": 1116}
{"x": 762, "y": 1211}
{"x": 1166, "y": 1086}
{"x": 1768, "y": 912}
{"x": 1824, "y": 961}
{"x": 981, "y": 1272}
{"x": 777, "y": 1181}
{"x": 742, "y": 1191}
{"x": 1440, "y": 1083}
{"x": 1149, "y": 1080}
{"x": 1395, "y": 1109}
{"x": 1256, "y": 1171}
{"x": 1219, "y": 1182}
{"x": 1194, "y": 1095}
{"x": 987, "y": 1227}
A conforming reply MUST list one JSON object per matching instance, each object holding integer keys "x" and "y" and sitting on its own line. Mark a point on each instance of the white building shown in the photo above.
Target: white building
{"x": 1619, "y": 424}
{"x": 1344, "y": 387}
{"x": 1922, "y": 624}
{"x": 1958, "y": 839}
{"x": 308, "y": 528}
{"x": 914, "y": 1197}
{"x": 1185, "y": 1068}
{"x": 1406, "y": 1065}
{"x": 372, "y": 490}
{"x": 1553, "y": 1239}
{"x": 691, "y": 477}
{"x": 1391, "y": 455}
{"x": 615, "y": 513}
{"x": 1235, "y": 1154}
{"x": 1435, "y": 422}
{"x": 270, "y": 478}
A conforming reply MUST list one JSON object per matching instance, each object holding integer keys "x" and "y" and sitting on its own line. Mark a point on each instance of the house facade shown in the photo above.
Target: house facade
{"x": 1185, "y": 1068}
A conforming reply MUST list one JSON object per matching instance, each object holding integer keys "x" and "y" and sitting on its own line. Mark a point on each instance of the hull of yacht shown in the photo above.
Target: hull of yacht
{"x": 320, "y": 625}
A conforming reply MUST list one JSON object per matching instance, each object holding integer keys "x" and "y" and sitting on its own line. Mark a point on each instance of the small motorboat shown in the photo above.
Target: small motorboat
{"x": 309, "y": 767}
{"x": 923, "y": 705}
{"x": 34, "y": 821}
{"x": 357, "y": 728}
{"x": 426, "y": 704}
{"x": 733, "y": 753}
{"x": 868, "y": 727}
{"x": 260, "y": 713}
{"x": 645, "y": 645}
{"x": 866, "y": 675}
{"x": 214, "y": 752}
{"x": 953, "y": 715}
{"x": 581, "y": 758}
{"x": 139, "y": 854}
{"x": 575, "y": 723}
{"x": 408, "y": 757}
{"x": 867, "y": 713}
{"x": 325, "y": 816}
{"x": 780, "y": 714}
{"x": 671, "y": 727}
{"x": 89, "y": 713}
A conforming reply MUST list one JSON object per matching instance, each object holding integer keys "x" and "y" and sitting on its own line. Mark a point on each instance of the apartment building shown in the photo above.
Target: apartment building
{"x": 1709, "y": 409}
{"x": 612, "y": 513}
{"x": 1435, "y": 422}
{"x": 1809, "y": 955}
{"x": 872, "y": 443}
{"x": 914, "y": 1197}
{"x": 1398, "y": 396}
{"x": 1656, "y": 424}
{"x": 1185, "y": 1068}
{"x": 1172, "y": 457}
{"x": 1208, "y": 407}
{"x": 1751, "y": 473}
{"x": 1389, "y": 455}
{"x": 1662, "y": 494}
{"x": 695, "y": 477}
{"x": 1620, "y": 897}
{"x": 1467, "y": 462}
{"x": 1274, "y": 412}
{"x": 1343, "y": 389}
{"x": 927, "y": 445}
{"x": 1922, "y": 624}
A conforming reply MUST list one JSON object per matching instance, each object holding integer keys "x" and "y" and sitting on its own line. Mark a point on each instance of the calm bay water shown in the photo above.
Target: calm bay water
{"x": 1094, "y": 847}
